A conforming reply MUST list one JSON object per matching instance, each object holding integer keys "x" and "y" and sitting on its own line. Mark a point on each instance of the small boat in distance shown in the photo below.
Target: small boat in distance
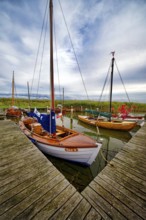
{"x": 13, "y": 111}
{"x": 106, "y": 120}
{"x": 56, "y": 140}
{"x": 125, "y": 113}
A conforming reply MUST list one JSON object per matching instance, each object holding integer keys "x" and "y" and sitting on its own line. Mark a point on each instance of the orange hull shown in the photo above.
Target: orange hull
{"x": 114, "y": 125}
{"x": 13, "y": 112}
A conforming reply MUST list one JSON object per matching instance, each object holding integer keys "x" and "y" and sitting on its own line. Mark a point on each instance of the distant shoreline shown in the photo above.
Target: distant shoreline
{"x": 76, "y": 104}
{"x": 134, "y": 97}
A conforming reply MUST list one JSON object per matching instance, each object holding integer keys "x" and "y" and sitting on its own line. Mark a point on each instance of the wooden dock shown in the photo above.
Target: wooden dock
{"x": 32, "y": 188}
{"x": 119, "y": 191}
{"x": 2, "y": 114}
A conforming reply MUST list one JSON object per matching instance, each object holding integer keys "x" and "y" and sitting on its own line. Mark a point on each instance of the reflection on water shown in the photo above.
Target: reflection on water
{"x": 79, "y": 175}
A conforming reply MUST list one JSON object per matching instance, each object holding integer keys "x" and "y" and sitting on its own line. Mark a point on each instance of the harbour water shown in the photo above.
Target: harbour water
{"x": 113, "y": 141}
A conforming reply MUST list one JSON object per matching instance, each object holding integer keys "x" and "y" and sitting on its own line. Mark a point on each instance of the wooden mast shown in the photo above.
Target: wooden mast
{"x": 51, "y": 57}
{"x": 13, "y": 89}
{"x": 28, "y": 94}
{"x": 111, "y": 85}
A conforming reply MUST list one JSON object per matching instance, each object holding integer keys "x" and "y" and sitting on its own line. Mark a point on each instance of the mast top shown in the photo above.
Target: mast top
{"x": 113, "y": 53}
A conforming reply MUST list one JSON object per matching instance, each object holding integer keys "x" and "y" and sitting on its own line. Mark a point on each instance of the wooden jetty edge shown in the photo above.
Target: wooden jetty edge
{"x": 32, "y": 188}
{"x": 119, "y": 191}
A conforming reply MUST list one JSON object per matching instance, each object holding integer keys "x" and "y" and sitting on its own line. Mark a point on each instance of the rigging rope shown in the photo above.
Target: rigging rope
{"x": 74, "y": 51}
{"x": 15, "y": 95}
{"x": 42, "y": 57}
{"x": 39, "y": 47}
{"x": 104, "y": 84}
{"x": 122, "y": 82}
{"x": 107, "y": 161}
{"x": 57, "y": 60}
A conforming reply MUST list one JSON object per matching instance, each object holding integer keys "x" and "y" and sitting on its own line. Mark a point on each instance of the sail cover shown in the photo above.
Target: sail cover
{"x": 47, "y": 121}
{"x": 97, "y": 113}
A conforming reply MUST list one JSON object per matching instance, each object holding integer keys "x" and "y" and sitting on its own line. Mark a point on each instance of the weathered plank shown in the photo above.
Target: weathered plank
{"x": 133, "y": 164}
{"x": 128, "y": 168}
{"x": 93, "y": 214}
{"x": 32, "y": 188}
{"x": 122, "y": 201}
{"x": 139, "y": 141}
{"x": 119, "y": 191}
{"x": 29, "y": 189}
{"x": 30, "y": 181}
{"x": 73, "y": 203}
{"x": 134, "y": 157}
{"x": 117, "y": 185}
{"x": 103, "y": 207}
{"x": 119, "y": 209}
{"x": 57, "y": 202}
{"x": 81, "y": 210}
{"x": 125, "y": 182}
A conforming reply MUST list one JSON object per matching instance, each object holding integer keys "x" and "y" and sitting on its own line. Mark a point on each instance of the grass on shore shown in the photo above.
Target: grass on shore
{"x": 77, "y": 104}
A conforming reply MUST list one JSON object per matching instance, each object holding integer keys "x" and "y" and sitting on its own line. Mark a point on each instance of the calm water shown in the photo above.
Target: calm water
{"x": 113, "y": 141}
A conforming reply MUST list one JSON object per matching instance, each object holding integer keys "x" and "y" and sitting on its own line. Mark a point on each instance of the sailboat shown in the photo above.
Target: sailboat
{"x": 125, "y": 114}
{"x": 13, "y": 111}
{"x": 55, "y": 140}
{"x": 106, "y": 120}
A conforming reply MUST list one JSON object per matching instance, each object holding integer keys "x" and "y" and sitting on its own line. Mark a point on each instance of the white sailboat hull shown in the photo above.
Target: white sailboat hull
{"x": 84, "y": 155}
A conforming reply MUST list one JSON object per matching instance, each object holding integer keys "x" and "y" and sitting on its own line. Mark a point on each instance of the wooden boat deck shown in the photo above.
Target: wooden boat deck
{"x": 32, "y": 188}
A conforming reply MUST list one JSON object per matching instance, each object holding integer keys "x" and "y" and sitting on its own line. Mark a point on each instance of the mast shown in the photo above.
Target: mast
{"x": 28, "y": 94}
{"x": 13, "y": 89}
{"x": 63, "y": 98}
{"x": 51, "y": 57}
{"x": 111, "y": 85}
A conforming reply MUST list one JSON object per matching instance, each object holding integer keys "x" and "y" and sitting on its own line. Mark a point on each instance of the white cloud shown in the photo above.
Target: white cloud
{"x": 96, "y": 29}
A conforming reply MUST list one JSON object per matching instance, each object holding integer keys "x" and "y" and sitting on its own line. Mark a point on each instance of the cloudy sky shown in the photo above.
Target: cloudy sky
{"x": 95, "y": 28}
